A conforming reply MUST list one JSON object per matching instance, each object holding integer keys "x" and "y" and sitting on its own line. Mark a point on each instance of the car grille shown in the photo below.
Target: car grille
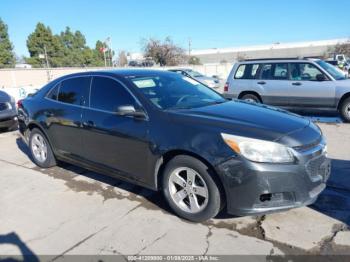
{"x": 318, "y": 167}
{"x": 3, "y": 106}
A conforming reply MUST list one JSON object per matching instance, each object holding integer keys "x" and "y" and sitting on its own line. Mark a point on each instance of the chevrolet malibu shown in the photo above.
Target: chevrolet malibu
{"x": 168, "y": 132}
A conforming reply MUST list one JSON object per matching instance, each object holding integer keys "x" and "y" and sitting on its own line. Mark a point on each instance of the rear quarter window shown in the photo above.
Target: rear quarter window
{"x": 247, "y": 71}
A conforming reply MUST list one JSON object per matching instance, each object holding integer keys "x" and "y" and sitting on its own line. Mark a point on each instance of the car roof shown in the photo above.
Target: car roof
{"x": 123, "y": 72}
{"x": 276, "y": 61}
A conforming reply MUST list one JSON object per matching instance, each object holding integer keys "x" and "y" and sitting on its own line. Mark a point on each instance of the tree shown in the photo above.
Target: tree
{"x": 193, "y": 60}
{"x": 7, "y": 57}
{"x": 122, "y": 59}
{"x": 164, "y": 53}
{"x": 41, "y": 39}
{"x": 74, "y": 45}
{"x": 98, "y": 53}
{"x": 342, "y": 49}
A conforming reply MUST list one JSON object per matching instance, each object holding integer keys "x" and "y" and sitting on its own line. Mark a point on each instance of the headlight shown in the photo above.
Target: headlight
{"x": 9, "y": 106}
{"x": 259, "y": 150}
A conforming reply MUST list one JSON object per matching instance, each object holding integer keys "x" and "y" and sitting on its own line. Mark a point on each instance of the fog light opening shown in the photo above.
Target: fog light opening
{"x": 265, "y": 197}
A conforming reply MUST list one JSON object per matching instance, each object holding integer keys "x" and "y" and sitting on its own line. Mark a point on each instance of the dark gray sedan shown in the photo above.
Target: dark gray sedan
{"x": 8, "y": 111}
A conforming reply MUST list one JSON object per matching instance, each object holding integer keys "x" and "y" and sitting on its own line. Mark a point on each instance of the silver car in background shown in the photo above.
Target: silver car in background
{"x": 8, "y": 111}
{"x": 294, "y": 84}
{"x": 212, "y": 82}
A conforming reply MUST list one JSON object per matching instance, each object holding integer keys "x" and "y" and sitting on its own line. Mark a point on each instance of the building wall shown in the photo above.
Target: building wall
{"x": 37, "y": 77}
{"x": 277, "y": 50}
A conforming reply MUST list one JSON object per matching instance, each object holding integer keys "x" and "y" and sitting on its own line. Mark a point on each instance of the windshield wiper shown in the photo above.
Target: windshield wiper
{"x": 216, "y": 103}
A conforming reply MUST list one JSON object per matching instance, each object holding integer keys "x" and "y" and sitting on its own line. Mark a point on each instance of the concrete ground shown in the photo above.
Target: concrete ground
{"x": 68, "y": 210}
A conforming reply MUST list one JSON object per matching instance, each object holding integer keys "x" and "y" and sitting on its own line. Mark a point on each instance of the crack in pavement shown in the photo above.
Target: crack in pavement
{"x": 209, "y": 234}
{"x": 78, "y": 243}
{"x": 152, "y": 243}
{"x": 114, "y": 251}
{"x": 15, "y": 164}
{"x": 54, "y": 230}
{"x": 131, "y": 210}
{"x": 325, "y": 245}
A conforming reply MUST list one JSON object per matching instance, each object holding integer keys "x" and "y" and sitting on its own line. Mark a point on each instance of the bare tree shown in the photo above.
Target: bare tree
{"x": 164, "y": 53}
{"x": 122, "y": 59}
{"x": 342, "y": 49}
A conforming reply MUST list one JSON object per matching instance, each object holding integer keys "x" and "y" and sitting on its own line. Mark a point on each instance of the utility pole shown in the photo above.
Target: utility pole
{"x": 189, "y": 47}
{"x": 104, "y": 56}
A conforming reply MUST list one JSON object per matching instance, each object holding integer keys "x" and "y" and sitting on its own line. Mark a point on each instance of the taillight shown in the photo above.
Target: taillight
{"x": 226, "y": 87}
{"x": 19, "y": 103}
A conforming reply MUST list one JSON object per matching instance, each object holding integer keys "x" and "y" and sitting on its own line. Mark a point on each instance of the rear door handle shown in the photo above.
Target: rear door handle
{"x": 88, "y": 123}
{"x": 262, "y": 83}
{"x": 296, "y": 84}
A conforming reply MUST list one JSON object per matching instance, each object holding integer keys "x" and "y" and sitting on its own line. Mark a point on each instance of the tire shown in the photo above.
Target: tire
{"x": 193, "y": 206}
{"x": 37, "y": 144}
{"x": 251, "y": 98}
{"x": 344, "y": 110}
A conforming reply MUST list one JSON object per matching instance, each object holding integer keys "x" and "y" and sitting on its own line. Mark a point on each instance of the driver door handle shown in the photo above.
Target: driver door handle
{"x": 262, "y": 83}
{"x": 296, "y": 84}
{"x": 48, "y": 114}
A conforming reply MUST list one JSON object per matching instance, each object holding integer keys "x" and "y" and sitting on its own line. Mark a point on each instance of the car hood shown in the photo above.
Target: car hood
{"x": 4, "y": 97}
{"x": 254, "y": 120}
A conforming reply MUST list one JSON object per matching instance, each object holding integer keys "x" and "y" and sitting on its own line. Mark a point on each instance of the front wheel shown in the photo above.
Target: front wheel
{"x": 345, "y": 110}
{"x": 190, "y": 189}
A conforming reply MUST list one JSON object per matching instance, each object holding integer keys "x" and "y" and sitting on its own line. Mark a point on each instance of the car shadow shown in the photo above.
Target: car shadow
{"x": 155, "y": 199}
{"x": 27, "y": 255}
{"x": 334, "y": 201}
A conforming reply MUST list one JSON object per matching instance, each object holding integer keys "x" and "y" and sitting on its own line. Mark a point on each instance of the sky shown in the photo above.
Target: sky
{"x": 208, "y": 23}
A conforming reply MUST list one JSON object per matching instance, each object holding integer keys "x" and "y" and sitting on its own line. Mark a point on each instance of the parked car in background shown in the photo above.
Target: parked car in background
{"x": 294, "y": 84}
{"x": 212, "y": 82}
{"x": 343, "y": 66}
{"x": 171, "y": 133}
{"x": 8, "y": 111}
{"x": 19, "y": 93}
{"x": 147, "y": 62}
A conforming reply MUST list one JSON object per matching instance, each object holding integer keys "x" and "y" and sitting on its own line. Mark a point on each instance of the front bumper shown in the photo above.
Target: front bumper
{"x": 260, "y": 188}
{"x": 8, "y": 122}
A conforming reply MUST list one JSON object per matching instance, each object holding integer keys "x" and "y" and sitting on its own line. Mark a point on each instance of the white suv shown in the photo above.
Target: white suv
{"x": 294, "y": 84}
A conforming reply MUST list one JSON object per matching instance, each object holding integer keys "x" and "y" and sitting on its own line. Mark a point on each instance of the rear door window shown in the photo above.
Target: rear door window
{"x": 266, "y": 71}
{"x": 247, "y": 71}
{"x": 74, "y": 91}
{"x": 280, "y": 71}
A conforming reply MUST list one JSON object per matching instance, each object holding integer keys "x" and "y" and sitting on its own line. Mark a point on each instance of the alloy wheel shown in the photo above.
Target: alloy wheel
{"x": 188, "y": 190}
{"x": 39, "y": 148}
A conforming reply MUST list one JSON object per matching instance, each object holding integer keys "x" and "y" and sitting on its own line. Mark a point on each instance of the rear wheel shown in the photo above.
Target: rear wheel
{"x": 190, "y": 189}
{"x": 250, "y": 98}
{"x": 345, "y": 109}
{"x": 40, "y": 149}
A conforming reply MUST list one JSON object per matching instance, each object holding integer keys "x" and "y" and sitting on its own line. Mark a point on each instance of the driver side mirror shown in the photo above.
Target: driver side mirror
{"x": 129, "y": 110}
{"x": 321, "y": 77}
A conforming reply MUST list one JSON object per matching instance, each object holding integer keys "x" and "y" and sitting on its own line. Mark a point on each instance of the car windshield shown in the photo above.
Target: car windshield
{"x": 176, "y": 91}
{"x": 194, "y": 73}
{"x": 336, "y": 73}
